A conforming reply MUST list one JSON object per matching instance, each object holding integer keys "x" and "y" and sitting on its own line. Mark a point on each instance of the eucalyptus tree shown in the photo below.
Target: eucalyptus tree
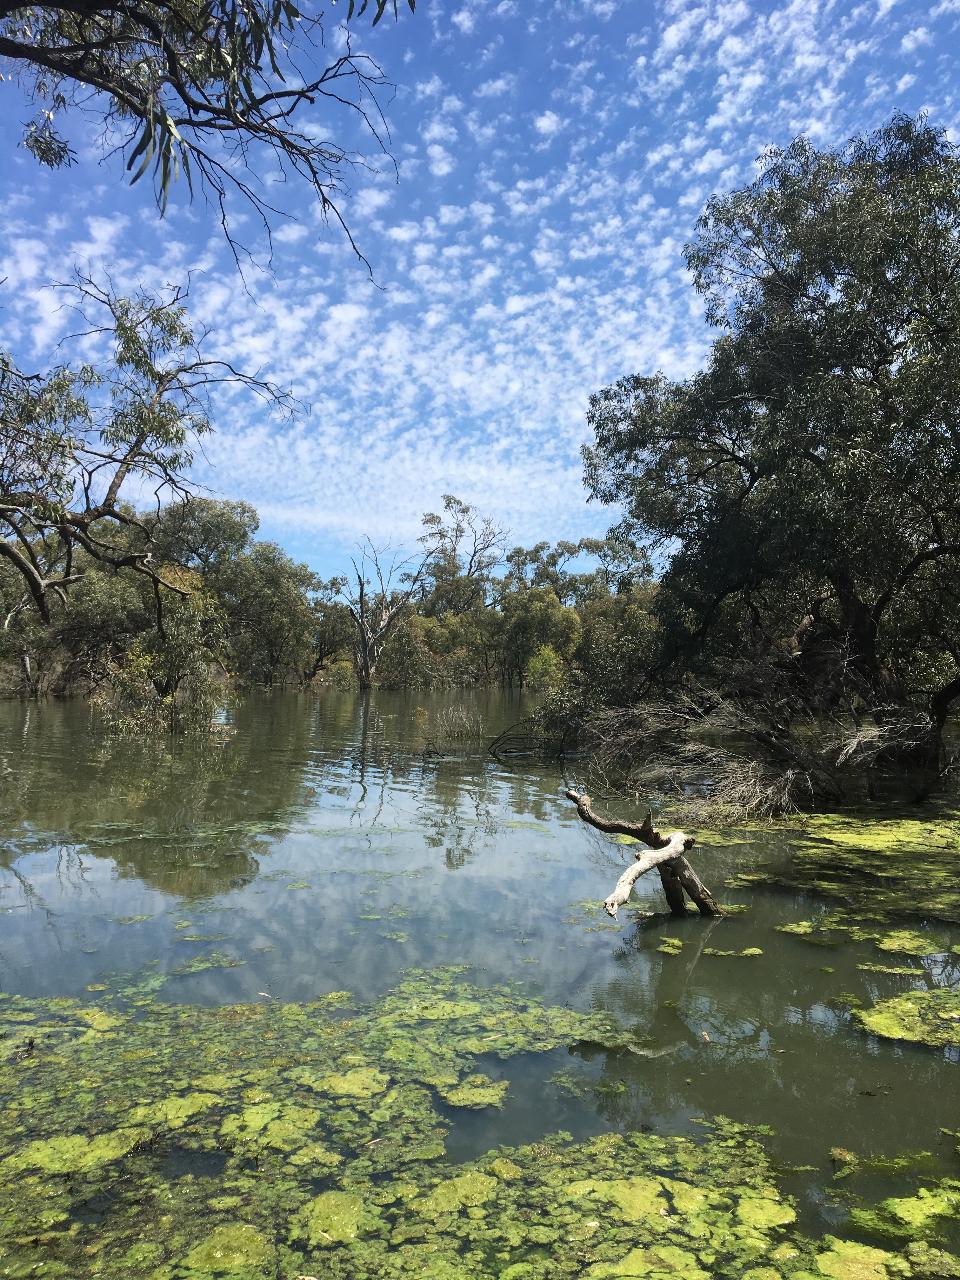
{"x": 578, "y": 571}
{"x": 379, "y": 591}
{"x": 79, "y": 441}
{"x": 222, "y": 92}
{"x": 530, "y": 621}
{"x": 466, "y": 548}
{"x": 804, "y": 486}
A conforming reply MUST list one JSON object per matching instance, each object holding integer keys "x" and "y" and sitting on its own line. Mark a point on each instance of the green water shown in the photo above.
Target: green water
{"x": 330, "y": 843}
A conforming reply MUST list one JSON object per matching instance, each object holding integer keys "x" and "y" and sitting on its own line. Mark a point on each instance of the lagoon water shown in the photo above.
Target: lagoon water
{"x": 332, "y": 841}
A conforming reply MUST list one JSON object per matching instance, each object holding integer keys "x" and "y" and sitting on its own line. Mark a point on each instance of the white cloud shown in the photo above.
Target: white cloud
{"x": 441, "y": 161}
{"x": 370, "y": 200}
{"x": 429, "y": 88}
{"x": 495, "y": 88}
{"x": 548, "y": 124}
{"x": 439, "y": 131}
{"x": 916, "y": 38}
{"x": 24, "y": 259}
{"x": 290, "y": 233}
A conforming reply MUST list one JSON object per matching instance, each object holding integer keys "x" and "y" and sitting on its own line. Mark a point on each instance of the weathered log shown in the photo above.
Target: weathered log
{"x": 667, "y": 853}
{"x": 696, "y": 890}
{"x": 644, "y": 863}
{"x": 672, "y": 888}
{"x": 613, "y": 827}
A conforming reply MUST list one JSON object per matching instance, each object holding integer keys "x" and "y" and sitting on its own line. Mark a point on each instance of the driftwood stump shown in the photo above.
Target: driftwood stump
{"x": 665, "y": 852}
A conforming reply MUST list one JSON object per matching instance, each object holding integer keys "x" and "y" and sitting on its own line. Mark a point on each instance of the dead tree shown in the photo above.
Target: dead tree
{"x": 665, "y": 852}
{"x": 384, "y": 591}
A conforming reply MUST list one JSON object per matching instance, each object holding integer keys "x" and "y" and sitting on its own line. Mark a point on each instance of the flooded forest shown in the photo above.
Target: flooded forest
{"x": 479, "y": 641}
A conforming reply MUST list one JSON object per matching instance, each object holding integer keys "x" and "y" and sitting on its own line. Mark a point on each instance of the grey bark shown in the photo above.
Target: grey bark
{"x": 667, "y": 853}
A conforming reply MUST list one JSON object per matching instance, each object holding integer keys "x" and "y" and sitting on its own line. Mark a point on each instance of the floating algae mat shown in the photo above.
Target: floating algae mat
{"x": 885, "y": 866}
{"x": 328, "y": 1124}
{"x": 94, "y": 1100}
{"x": 177, "y": 1101}
{"x": 924, "y": 1017}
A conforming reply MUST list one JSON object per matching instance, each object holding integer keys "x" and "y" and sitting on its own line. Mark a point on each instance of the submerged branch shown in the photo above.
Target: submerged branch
{"x": 661, "y": 850}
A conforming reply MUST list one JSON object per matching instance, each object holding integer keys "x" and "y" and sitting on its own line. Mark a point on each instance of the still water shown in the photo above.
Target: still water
{"x": 332, "y": 841}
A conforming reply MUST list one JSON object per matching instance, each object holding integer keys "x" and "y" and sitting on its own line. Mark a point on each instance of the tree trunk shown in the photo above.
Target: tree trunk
{"x": 666, "y": 853}
{"x": 672, "y": 888}
{"x": 26, "y": 667}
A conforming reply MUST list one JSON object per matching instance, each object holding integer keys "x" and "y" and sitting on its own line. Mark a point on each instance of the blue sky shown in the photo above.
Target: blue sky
{"x": 551, "y": 161}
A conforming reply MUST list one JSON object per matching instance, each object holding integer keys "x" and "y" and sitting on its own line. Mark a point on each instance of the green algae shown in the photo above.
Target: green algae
{"x": 845, "y": 925}
{"x": 465, "y": 1191}
{"x": 847, "y": 1260}
{"x": 355, "y": 1082}
{"x": 670, "y": 946}
{"x": 765, "y": 1211}
{"x": 75, "y": 1153}
{"x": 230, "y": 1249}
{"x": 924, "y": 1017}
{"x": 920, "y": 1216}
{"x": 660, "y": 1261}
{"x": 329, "y": 1121}
{"x": 171, "y": 1113}
{"x": 898, "y": 970}
{"x": 635, "y": 1197}
{"x": 882, "y": 866}
{"x": 907, "y": 1162}
{"x": 746, "y": 952}
{"x": 333, "y": 1217}
{"x": 910, "y": 943}
{"x": 301, "y": 1090}
{"x": 475, "y": 1091}
{"x": 212, "y": 960}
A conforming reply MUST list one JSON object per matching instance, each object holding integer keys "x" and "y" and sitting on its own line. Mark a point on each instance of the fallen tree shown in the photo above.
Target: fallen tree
{"x": 665, "y": 852}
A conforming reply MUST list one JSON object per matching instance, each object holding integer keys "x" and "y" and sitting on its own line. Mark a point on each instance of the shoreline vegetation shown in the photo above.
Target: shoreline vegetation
{"x": 799, "y": 497}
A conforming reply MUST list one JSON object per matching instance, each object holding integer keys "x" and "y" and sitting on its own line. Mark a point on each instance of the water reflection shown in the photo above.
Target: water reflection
{"x": 331, "y": 842}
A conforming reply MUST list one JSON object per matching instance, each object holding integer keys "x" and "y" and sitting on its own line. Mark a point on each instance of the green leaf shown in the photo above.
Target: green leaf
{"x": 142, "y": 143}
{"x": 144, "y": 164}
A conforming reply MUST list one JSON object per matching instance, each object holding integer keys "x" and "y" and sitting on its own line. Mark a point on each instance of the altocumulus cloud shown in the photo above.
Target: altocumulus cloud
{"x": 527, "y": 248}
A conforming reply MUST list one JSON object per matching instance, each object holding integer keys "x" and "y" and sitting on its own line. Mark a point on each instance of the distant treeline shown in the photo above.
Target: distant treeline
{"x": 222, "y": 610}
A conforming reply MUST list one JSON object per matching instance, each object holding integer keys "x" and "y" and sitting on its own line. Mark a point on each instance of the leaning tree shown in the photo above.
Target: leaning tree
{"x": 83, "y": 443}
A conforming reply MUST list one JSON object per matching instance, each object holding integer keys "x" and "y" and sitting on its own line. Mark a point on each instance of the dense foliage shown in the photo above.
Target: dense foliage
{"x": 804, "y": 486}
{"x": 221, "y": 607}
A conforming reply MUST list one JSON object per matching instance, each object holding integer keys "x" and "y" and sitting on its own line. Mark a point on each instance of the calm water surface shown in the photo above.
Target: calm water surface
{"x": 332, "y": 841}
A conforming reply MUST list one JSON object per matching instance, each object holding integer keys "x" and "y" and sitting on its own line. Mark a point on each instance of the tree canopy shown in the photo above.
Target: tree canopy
{"x": 76, "y": 440}
{"x": 804, "y": 486}
{"x": 220, "y": 92}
